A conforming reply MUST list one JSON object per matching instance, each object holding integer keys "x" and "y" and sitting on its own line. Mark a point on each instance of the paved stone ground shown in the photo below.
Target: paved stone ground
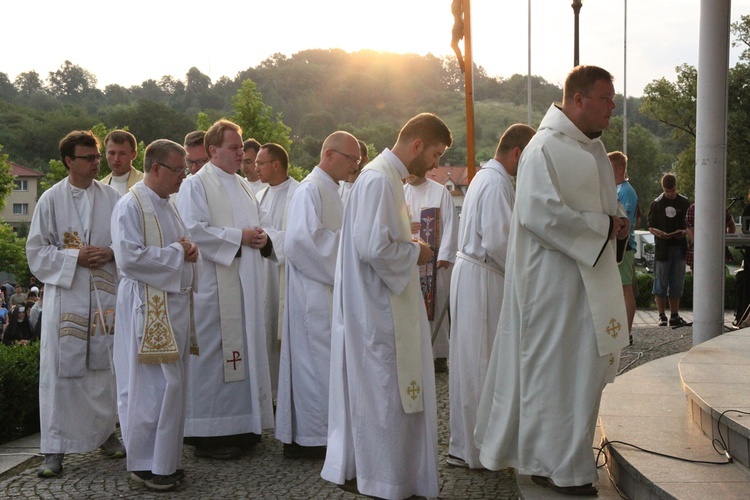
{"x": 265, "y": 474}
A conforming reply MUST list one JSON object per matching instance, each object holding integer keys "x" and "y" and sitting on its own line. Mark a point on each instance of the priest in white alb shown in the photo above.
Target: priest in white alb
{"x": 345, "y": 186}
{"x": 155, "y": 330}
{"x": 477, "y": 288}
{"x": 421, "y": 192}
{"x": 382, "y": 421}
{"x": 272, "y": 163}
{"x": 69, "y": 249}
{"x": 312, "y": 243}
{"x": 563, "y": 320}
{"x": 229, "y": 395}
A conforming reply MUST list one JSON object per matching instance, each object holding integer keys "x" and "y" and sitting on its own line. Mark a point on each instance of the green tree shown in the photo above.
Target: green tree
{"x": 7, "y": 180}
{"x": 71, "y": 80}
{"x": 13, "y": 253}
{"x": 258, "y": 120}
{"x": 56, "y": 173}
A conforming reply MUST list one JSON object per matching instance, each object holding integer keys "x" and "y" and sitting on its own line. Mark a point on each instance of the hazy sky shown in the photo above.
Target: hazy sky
{"x": 143, "y": 39}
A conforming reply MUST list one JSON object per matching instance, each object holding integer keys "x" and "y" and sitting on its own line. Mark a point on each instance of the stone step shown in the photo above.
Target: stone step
{"x": 716, "y": 379}
{"x": 648, "y": 408}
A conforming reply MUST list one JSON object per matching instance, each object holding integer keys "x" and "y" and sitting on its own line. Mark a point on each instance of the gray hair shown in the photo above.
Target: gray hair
{"x": 159, "y": 151}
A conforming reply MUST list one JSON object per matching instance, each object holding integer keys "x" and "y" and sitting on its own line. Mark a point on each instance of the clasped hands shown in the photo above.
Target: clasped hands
{"x": 254, "y": 237}
{"x": 94, "y": 257}
{"x": 190, "y": 249}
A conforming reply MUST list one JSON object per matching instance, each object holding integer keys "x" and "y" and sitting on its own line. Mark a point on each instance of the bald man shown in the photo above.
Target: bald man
{"x": 312, "y": 242}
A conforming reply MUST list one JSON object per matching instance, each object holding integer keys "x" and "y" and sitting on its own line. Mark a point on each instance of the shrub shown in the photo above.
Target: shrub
{"x": 19, "y": 391}
{"x": 643, "y": 290}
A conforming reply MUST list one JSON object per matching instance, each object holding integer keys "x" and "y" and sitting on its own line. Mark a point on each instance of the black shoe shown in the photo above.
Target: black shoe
{"x": 218, "y": 452}
{"x": 295, "y": 451}
{"x": 249, "y": 441}
{"x": 662, "y": 320}
{"x": 52, "y": 466}
{"x": 585, "y": 490}
{"x": 441, "y": 365}
{"x": 677, "y": 321}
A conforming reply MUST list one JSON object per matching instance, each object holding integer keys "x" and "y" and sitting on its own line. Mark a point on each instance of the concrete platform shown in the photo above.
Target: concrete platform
{"x": 647, "y": 407}
{"x": 716, "y": 379}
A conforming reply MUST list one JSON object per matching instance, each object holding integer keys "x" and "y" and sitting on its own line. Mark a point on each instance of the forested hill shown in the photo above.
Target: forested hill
{"x": 314, "y": 92}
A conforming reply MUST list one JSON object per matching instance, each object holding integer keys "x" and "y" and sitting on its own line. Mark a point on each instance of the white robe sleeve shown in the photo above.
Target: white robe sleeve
{"x": 376, "y": 235}
{"x": 310, "y": 247}
{"x": 47, "y": 261}
{"x": 216, "y": 244}
{"x": 449, "y": 226}
{"x": 494, "y": 215}
{"x": 160, "y": 267}
{"x": 579, "y": 235}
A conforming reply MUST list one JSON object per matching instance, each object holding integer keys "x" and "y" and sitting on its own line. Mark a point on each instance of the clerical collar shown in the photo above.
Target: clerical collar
{"x": 121, "y": 178}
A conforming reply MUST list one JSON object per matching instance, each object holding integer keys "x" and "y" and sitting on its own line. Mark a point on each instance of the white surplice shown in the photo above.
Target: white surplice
{"x": 345, "y": 190}
{"x": 392, "y": 454}
{"x": 257, "y": 186}
{"x": 476, "y": 297}
{"x": 77, "y": 414}
{"x": 216, "y": 407}
{"x": 152, "y": 415}
{"x": 540, "y": 402}
{"x": 431, "y": 194}
{"x": 274, "y": 200}
{"x": 312, "y": 242}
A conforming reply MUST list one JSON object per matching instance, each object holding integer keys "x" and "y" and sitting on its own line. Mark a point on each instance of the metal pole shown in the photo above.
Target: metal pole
{"x": 469, "y": 82}
{"x": 625, "y": 84}
{"x": 528, "y": 83}
{"x": 576, "y": 10}
{"x": 711, "y": 168}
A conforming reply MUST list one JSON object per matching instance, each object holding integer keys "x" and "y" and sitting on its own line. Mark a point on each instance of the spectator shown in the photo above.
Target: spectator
{"x": 18, "y": 298}
{"x": 18, "y": 329}
{"x": 666, "y": 221}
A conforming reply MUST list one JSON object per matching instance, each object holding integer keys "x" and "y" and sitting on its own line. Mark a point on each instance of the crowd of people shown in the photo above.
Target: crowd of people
{"x": 327, "y": 305}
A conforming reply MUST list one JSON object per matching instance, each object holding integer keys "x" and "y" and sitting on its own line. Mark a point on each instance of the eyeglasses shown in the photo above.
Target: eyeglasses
{"x": 89, "y": 158}
{"x": 176, "y": 170}
{"x": 261, "y": 163}
{"x": 197, "y": 163}
{"x": 351, "y": 158}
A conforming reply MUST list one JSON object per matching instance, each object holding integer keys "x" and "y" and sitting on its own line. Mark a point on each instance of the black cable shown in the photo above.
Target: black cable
{"x": 682, "y": 459}
{"x": 725, "y": 450}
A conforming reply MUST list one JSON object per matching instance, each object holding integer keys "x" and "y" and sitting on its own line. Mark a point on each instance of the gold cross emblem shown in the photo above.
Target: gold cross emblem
{"x": 614, "y": 328}
{"x": 413, "y": 390}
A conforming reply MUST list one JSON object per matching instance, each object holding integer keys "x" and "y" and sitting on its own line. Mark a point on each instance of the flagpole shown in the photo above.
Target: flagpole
{"x": 469, "y": 84}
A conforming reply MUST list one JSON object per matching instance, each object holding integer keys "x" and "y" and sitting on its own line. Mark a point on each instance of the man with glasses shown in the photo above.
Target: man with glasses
{"x": 68, "y": 249}
{"x": 120, "y": 150}
{"x": 229, "y": 396}
{"x": 271, "y": 165}
{"x": 311, "y": 246}
{"x": 196, "y": 151}
{"x": 382, "y": 423}
{"x": 251, "y": 148}
{"x": 155, "y": 318}
{"x": 345, "y": 186}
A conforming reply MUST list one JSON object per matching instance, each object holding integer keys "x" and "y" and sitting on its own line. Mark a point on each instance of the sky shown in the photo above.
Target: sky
{"x": 128, "y": 42}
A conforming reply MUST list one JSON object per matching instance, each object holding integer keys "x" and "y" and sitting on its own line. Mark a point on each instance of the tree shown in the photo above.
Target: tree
{"x": 258, "y": 120}
{"x": 71, "y": 80}
{"x": 28, "y": 83}
{"x": 673, "y": 103}
{"x": 7, "y": 180}
{"x": 13, "y": 253}
{"x": 7, "y": 90}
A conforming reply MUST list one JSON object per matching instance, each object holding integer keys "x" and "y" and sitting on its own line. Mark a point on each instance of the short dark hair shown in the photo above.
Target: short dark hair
{"x": 195, "y": 138}
{"x": 517, "y": 135}
{"x": 121, "y": 137}
{"x": 581, "y": 80}
{"x": 669, "y": 181}
{"x": 75, "y": 138}
{"x": 251, "y": 144}
{"x": 427, "y": 127}
{"x": 159, "y": 151}
{"x": 277, "y": 152}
